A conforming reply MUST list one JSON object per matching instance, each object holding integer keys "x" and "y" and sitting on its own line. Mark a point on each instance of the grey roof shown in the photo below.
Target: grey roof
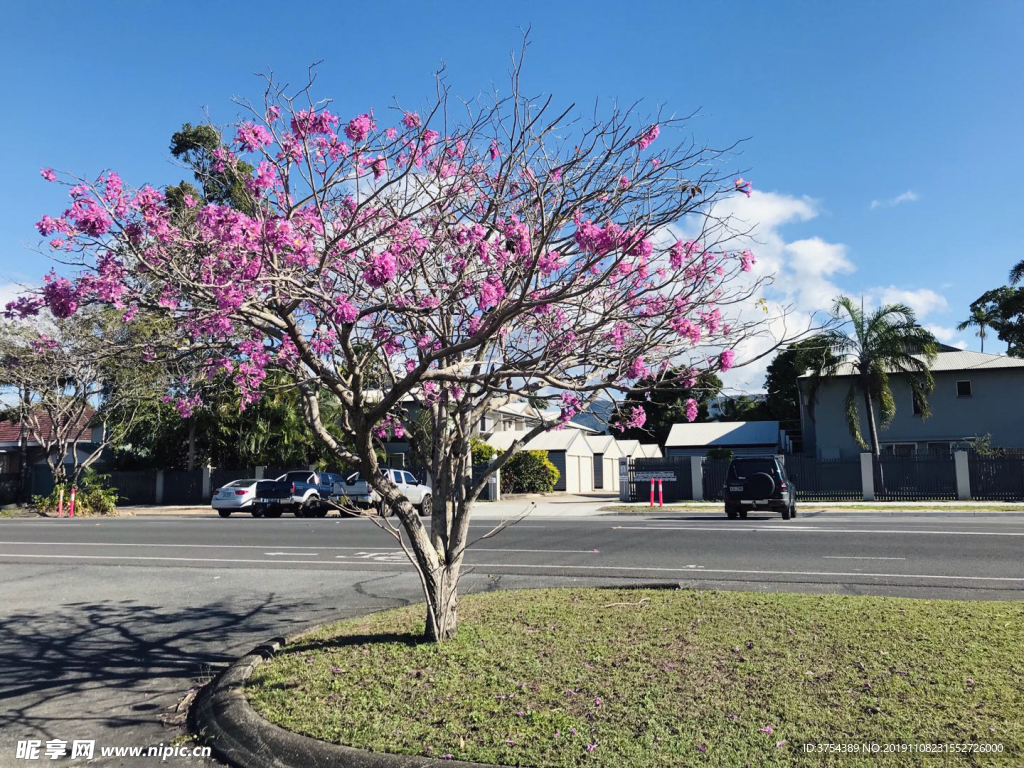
{"x": 724, "y": 433}
{"x": 554, "y": 440}
{"x": 959, "y": 360}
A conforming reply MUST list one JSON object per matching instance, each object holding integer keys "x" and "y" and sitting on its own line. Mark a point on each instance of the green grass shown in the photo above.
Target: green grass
{"x": 653, "y": 676}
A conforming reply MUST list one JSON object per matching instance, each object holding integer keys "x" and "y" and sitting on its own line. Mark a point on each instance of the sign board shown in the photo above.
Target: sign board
{"x": 667, "y": 476}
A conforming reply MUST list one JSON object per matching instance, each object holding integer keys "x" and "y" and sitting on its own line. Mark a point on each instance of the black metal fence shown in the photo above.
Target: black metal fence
{"x": 184, "y": 487}
{"x": 825, "y": 479}
{"x": 10, "y": 487}
{"x": 674, "y": 473}
{"x": 915, "y": 478}
{"x": 135, "y": 486}
{"x": 996, "y": 479}
{"x": 715, "y": 471}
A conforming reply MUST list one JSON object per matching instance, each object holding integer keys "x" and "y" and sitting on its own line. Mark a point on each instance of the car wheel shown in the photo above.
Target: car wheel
{"x": 256, "y": 512}
{"x": 425, "y": 506}
{"x": 792, "y": 510}
{"x": 743, "y": 514}
{"x": 785, "y": 513}
{"x": 224, "y": 512}
{"x": 321, "y": 511}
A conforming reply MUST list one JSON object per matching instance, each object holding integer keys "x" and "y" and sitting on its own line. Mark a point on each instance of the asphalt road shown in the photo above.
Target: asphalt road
{"x": 106, "y": 624}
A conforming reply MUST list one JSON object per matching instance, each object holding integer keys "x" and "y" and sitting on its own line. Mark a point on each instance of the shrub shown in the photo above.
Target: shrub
{"x": 482, "y": 452}
{"x": 719, "y": 453}
{"x": 94, "y": 496}
{"x": 529, "y": 472}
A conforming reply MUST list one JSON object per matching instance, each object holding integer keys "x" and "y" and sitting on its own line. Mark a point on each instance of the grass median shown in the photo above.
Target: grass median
{"x": 661, "y": 677}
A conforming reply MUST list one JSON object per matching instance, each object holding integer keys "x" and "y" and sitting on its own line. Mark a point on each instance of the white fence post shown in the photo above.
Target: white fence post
{"x": 259, "y": 472}
{"x": 697, "y": 477}
{"x": 963, "y": 475}
{"x": 867, "y": 476}
{"x": 159, "y": 486}
{"x": 494, "y": 486}
{"x": 623, "y": 479}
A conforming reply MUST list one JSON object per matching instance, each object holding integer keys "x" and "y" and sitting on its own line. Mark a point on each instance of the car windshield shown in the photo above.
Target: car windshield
{"x": 297, "y": 477}
{"x": 240, "y": 484}
{"x": 741, "y": 470}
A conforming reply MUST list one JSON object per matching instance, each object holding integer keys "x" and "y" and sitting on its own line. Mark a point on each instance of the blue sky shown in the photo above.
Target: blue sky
{"x": 915, "y": 105}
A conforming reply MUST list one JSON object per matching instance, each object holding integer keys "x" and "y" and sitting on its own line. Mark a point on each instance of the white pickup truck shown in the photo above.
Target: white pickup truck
{"x": 357, "y": 491}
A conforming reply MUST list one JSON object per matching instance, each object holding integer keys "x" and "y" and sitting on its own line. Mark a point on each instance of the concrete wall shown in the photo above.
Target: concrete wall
{"x": 996, "y": 407}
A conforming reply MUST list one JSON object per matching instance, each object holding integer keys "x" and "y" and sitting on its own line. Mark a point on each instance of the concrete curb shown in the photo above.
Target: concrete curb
{"x": 224, "y": 720}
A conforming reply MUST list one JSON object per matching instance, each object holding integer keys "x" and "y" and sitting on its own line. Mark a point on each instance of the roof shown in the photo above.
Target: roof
{"x": 724, "y": 433}
{"x": 958, "y": 360}
{"x": 600, "y": 443}
{"x": 553, "y": 414}
{"x": 651, "y": 450}
{"x": 11, "y": 430}
{"x": 629, "y": 448}
{"x": 554, "y": 440}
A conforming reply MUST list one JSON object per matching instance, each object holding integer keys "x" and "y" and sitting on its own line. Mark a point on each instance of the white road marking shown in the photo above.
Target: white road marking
{"x": 785, "y": 529}
{"x": 260, "y": 546}
{"x": 293, "y": 554}
{"x": 522, "y": 565}
{"x": 851, "y": 557}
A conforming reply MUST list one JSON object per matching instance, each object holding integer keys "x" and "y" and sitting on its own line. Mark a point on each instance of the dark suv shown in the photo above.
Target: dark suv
{"x": 758, "y": 482}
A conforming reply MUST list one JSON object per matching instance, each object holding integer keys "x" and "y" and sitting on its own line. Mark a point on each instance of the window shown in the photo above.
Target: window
{"x": 918, "y": 410}
{"x": 938, "y": 449}
{"x": 409, "y": 479}
{"x": 963, "y": 389}
{"x": 483, "y": 423}
{"x": 899, "y": 449}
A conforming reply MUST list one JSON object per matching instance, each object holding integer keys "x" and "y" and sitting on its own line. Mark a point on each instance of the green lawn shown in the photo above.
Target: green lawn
{"x": 661, "y": 677}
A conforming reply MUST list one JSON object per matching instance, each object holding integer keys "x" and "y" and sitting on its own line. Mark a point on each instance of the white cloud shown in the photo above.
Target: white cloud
{"x": 960, "y": 344}
{"x": 945, "y": 335}
{"x": 909, "y": 196}
{"x": 923, "y": 300}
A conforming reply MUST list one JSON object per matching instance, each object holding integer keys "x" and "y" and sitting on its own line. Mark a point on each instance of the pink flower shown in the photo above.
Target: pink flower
{"x": 359, "y": 128}
{"x": 726, "y": 359}
{"x": 637, "y": 369}
{"x": 702, "y": 747}
{"x": 48, "y": 174}
{"x": 655, "y": 162}
{"x": 742, "y": 186}
{"x": 768, "y": 730}
{"x": 747, "y": 260}
{"x": 779, "y": 743}
{"x": 591, "y": 747}
{"x": 648, "y": 138}
{"x": 691, "y": 409}
{"x": 624, "y": 181}
{"x": 494, "y": 151}
{"x": 412, "y": 120}
{"x": 251, "y": 137}
{"x": 381, "y": 270}
{"x": 597, "y": 702}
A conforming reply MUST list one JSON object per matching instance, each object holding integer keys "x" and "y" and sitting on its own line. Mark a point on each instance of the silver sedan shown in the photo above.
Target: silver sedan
{"x": 235, "y": 497}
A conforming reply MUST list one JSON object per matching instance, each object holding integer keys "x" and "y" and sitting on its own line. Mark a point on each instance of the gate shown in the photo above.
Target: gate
{"x": 134, "y": 486}
{"x": 558, "y": 459}
{"x": 715, "y": 471}
{"x": 184, "y": 488}
{"x": 676, "y": 479}
{"x": 996, "y": 479}
{"x": 915, "y": 478}
{"x": 825, "y": 479}
{"x": 598, "y": 471}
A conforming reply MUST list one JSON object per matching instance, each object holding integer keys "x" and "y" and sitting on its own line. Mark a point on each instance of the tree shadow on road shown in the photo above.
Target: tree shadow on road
{"x": 93, "y": 667}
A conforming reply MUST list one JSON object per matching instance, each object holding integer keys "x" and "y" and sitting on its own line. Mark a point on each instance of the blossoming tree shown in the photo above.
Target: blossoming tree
{"x": 471, "y": 255}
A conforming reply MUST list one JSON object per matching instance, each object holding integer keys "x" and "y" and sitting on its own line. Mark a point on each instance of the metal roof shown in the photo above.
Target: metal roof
{"x": 555, "y": 440}
{"x": 724, "y": 433}
{"x": 651, "y": 450}
{"x": 960, "y": 360}
{"x": 630, "y": 448}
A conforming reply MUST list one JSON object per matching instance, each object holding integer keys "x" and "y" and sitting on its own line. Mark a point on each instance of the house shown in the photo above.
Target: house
{"x": 567, "y": 449}
{"x": 975, "y": 394}
{"x": 606, "y": 461}
{"x": 630, "y": 449}
{"x": 88, "y": 440}
{"x": 743, "y": 438}
{"x": 650, "y": 450}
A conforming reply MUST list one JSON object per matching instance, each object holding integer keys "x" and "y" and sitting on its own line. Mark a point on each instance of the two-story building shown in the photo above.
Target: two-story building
{"x": 975, "y": 394}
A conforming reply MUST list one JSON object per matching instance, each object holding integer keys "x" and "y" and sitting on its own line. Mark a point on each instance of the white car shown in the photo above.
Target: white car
{"x": 235, "y": 497}
{"x": 358, "y": 491}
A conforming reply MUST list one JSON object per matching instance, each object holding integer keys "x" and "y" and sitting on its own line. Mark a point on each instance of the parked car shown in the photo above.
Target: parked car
{"x": 358, "y": 492}
{"x": 758, "y": 482}
{"x": 309, "y": 491}
{"x": 258, "y": 497}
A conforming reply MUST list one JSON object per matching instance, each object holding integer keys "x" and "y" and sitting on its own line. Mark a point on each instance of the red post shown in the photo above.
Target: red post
{"x": 652, "y": 491}
{"x": 661, "y": 494}
{"x": 71, "y": 509}
{"x": 60, "y": 502}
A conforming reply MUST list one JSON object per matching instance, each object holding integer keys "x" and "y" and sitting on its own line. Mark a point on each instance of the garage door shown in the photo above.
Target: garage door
{"x": 598, "y": 471}
{"x": 558, "y": 459}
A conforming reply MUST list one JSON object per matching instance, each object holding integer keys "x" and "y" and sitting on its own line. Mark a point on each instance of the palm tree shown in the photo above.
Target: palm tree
{"x": 981, "y": 319}
{"x": 878, "y": 344}
{"x": 1017, "y": 273}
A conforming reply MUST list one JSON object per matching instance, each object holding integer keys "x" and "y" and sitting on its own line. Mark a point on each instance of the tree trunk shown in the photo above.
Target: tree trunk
{"x": 873, "y": 430}
{"x": 24, "y": 468}
{"x": 191, "y": 444}
{"x": 443, "y": 608}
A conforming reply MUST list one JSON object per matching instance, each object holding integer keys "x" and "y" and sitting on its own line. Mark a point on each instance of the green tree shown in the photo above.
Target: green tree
{"x": 981, "y": 318}
{"x": 1005, "y": 308}
{"x": 743, "y": 408}
{"x": 201, "y": 148}
{"x": 664, "y": 402}
{"x": 873, "y": 346}
{"x": 788, "y": 365}
{"x": 1017, "y": 272}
